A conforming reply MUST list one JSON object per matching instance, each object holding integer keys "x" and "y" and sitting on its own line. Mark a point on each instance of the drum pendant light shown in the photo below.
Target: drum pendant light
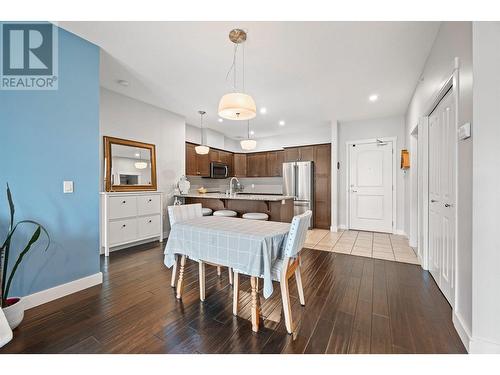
{"x": 248, "y": 144}
{"x": 237, "y": 105}
{"x": 202, "y": 149}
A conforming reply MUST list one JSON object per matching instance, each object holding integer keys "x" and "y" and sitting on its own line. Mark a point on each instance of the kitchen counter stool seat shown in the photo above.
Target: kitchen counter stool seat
{"x": 206, "y": 211}
{"x": 255, "y": 216}
{"x": 225, "y": 213}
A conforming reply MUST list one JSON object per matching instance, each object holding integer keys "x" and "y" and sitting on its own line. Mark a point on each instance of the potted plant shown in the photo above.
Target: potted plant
{"x": 13, "y": 307}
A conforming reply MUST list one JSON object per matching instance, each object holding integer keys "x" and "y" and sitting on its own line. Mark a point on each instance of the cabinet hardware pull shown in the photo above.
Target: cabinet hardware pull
{"x": 149, "y": 200}
{"x": 149, "y": 221}
{"x": 123, "y": 202}
{"x": 124, "y": 225}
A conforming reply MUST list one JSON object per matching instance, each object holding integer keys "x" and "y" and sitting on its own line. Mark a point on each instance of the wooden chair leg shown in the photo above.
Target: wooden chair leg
{"x": 201, "y": 268}
{"x": 230, "y": 270}
{"x": 218, "y": 271}
{"x": 174, "y": 272}
{"x": 255, "y": 303}
{"x": 181, "y": 277}
{"x": 298, "y": 278}
{"x": 236, "y": 293}
{"x": 285, "y": 297}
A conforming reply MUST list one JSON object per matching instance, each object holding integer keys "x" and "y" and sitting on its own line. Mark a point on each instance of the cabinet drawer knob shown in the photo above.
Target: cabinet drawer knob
{"x": 123, "y": 202}
{"x": 149, "y": 221}
{"x": 124, "y": 225}
{"x": 149, "y": 200}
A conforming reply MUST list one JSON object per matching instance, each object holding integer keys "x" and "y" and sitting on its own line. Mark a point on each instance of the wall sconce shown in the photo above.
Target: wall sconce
{"x": 405, "y": 159}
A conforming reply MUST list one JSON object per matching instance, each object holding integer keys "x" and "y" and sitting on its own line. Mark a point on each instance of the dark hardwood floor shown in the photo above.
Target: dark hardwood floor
{"x": 353, "y": 305}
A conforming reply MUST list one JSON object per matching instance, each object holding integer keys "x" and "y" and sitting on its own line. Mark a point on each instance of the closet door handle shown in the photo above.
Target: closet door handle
{"x": 448, "y": 205}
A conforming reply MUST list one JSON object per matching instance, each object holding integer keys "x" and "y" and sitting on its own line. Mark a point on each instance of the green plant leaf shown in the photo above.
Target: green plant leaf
{"x": 6, "y": 248}
{"x": 11, "y": 207}
{"x": 34, "y": 238}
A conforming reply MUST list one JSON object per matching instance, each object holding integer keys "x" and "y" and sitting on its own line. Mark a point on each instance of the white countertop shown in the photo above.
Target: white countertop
{"x": 248, "y": 197}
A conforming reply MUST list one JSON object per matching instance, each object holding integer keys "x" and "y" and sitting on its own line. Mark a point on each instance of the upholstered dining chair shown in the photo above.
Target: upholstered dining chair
{"x": 177, "y": 214}
{"x": 283, "y": 268}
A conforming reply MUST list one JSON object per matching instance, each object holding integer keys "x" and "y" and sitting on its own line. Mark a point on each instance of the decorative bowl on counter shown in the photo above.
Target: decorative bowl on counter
{"x": 202, "y": 190}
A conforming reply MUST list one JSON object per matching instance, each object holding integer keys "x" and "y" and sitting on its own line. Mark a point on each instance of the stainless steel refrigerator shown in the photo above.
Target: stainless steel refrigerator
{"x": 298, "y": 180}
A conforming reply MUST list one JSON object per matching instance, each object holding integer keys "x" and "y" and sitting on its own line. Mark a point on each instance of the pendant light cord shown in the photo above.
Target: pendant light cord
{"x": 233, "y": 67}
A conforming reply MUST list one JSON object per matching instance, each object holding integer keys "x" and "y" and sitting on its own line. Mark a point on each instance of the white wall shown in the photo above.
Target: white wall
{"x": 307, "y": 137}
{"x": 368, "y": 129}
{"x": 123, "y": 117}
{"x": 212, "y": 138}
{"x": 454, "y": 39}
{"x": 486, "y": 182}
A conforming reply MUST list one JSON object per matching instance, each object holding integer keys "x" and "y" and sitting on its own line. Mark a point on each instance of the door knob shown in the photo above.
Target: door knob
{"x": 447, "y": 205}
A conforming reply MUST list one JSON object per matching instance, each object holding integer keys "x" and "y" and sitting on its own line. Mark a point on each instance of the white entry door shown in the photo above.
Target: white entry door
{"x": 371, "y": 186}
{"x": 442, "y": 195}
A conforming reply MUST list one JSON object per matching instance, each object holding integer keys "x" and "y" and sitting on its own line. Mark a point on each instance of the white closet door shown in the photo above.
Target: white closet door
{"x": 371, "y": 186}
{"x": 442, "y": 195}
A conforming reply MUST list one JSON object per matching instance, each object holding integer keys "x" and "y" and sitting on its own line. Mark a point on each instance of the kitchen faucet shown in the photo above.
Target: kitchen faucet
{"x": 231, "y": 184}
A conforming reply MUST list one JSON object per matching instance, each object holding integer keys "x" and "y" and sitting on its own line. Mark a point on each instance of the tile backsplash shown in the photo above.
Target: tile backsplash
{"x": 261, "y": 185}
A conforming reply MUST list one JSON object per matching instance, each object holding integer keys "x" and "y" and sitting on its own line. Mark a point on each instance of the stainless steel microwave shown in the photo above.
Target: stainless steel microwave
{"x": 218, "y": 170}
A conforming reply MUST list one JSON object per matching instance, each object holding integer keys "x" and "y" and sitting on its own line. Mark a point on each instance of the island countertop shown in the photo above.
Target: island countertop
{"x": 248, "y": 197}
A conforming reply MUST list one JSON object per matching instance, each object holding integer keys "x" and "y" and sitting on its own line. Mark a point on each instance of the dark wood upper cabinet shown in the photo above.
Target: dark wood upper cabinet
{"x": 274, "y": 161}
{"x": 306, "y": 153}
{"x": 240, "y": 165}
{"x": 203, "y": 165}
{"x": 257, "y": 164}
{"x": 292, "y": 154}
{"x": 303, "y": 153}
{"x": 214, "y": 156}
{"x": 191, "y": 168}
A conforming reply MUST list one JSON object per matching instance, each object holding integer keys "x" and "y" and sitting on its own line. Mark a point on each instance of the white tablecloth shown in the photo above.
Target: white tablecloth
{"x": 248, "y": 246}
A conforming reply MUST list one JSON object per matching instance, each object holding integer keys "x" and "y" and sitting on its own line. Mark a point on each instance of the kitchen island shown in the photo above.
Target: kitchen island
{"x": 278, "y": 207}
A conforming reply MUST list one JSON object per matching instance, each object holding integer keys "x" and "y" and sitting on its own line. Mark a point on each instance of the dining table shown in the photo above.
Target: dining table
{"x": 249, "y": 247}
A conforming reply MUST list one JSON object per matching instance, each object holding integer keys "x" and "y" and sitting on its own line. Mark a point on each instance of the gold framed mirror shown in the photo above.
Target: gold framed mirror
{"x": 129, "y": 165}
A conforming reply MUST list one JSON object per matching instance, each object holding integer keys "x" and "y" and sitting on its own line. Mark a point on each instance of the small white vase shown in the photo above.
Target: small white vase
{"x": 14, "y": 313}
{"x": 184, "y": 185}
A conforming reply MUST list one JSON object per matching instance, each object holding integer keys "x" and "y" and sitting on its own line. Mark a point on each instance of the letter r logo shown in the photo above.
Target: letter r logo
{"x": 27, "y": 49}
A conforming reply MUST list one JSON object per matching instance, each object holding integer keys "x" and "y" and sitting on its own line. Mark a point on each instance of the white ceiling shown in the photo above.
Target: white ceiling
{"x": 305, "y": 73}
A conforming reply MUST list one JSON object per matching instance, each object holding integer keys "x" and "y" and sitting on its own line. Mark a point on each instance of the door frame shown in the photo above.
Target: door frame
{"x": 394, "y": 170}
{"x": 451, "y": 83}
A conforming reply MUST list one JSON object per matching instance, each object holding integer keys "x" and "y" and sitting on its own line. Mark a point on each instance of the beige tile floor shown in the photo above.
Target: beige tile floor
{"x": 367, "y": 244}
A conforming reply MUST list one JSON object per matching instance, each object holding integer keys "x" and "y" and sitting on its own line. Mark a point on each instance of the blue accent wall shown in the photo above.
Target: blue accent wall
{"x": 47, "y": 137}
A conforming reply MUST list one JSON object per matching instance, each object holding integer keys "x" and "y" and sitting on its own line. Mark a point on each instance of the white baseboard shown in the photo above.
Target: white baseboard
{"x": 400, "y": 232}
{"x": 480, "y": 346}
{"x": 462, "y": 330}
{"x": 47, "y": 295}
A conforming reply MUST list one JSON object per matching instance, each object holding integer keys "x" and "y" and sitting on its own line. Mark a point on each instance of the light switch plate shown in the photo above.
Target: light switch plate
{"x": 464, "y": 131}
{"x": 68, "y": 187}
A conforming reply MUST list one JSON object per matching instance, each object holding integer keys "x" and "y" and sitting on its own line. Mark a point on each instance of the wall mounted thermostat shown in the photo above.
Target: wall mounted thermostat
{"x": 464, "y": 131}
{"x": 68, "y": 187}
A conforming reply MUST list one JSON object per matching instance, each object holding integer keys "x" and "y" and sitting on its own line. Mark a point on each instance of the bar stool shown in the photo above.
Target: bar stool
{"x": 206, "y": 211}
{"x": 225, "y": 213}
{"x": 255, "y": 216}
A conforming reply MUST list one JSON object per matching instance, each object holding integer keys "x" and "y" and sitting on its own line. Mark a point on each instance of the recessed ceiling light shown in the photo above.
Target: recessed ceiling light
{"x": 220, "y": 120}
{"x": 282, "y": 123}
{"x": 123, "y": 82}
{"x": 373, "y": 98}
{"x": 263, "y": 110}
{"x": 252, "y": 132}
